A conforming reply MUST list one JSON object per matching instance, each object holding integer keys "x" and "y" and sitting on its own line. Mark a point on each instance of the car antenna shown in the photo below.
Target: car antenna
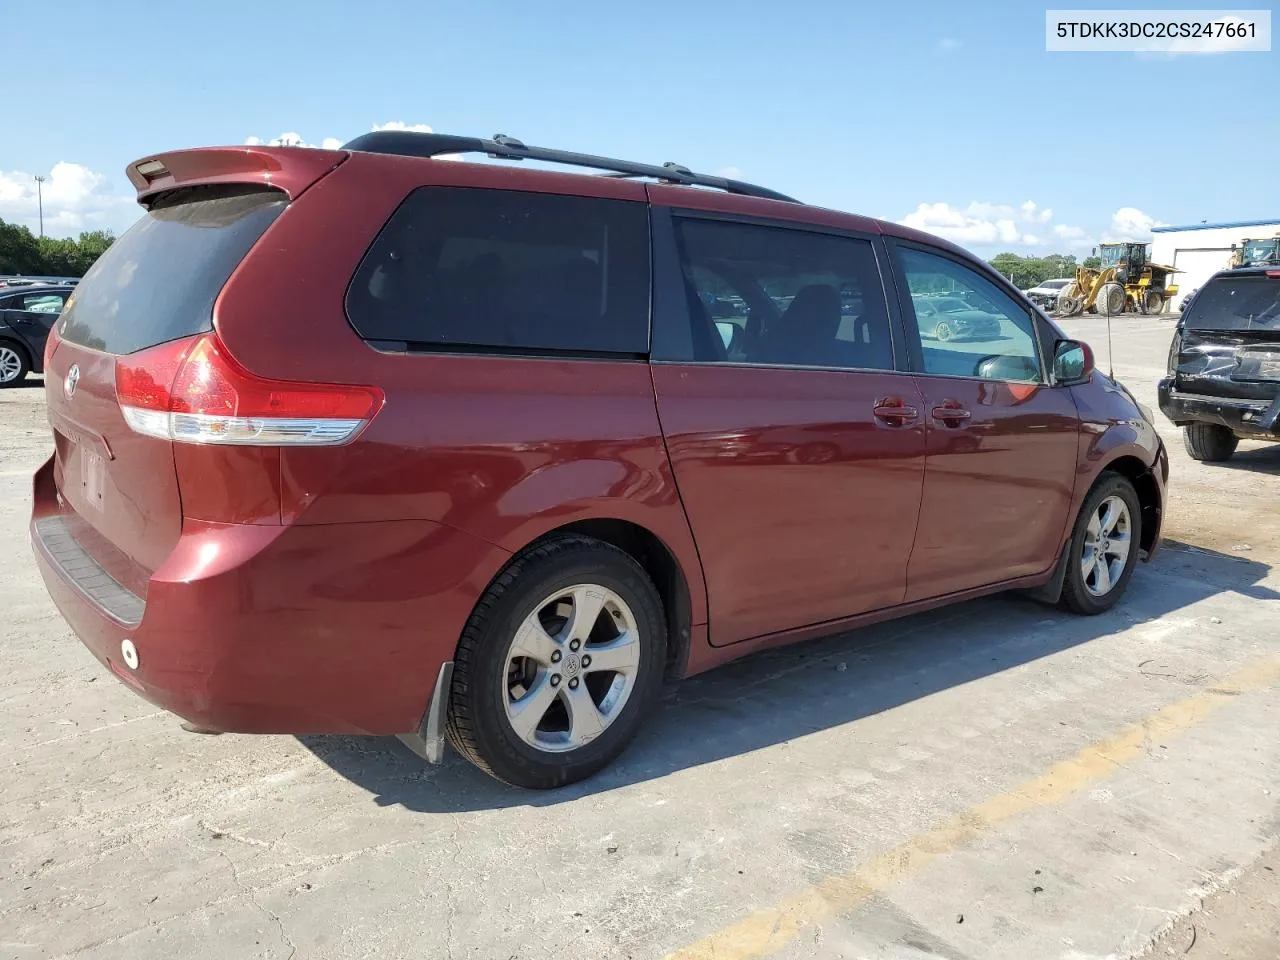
{"x": 1111, "y": 362}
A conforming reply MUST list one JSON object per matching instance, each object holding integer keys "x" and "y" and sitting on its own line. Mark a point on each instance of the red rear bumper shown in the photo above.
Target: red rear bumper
{"x": 337, "y": 628}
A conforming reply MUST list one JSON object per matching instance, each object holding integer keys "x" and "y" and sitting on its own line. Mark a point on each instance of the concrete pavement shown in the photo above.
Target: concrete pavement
{"x": 995, "y": 780}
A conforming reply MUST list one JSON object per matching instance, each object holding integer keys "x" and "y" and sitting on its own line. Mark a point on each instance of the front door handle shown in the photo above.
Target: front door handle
{"x": 950, "y": 413}
{"x": 894, "y": 411}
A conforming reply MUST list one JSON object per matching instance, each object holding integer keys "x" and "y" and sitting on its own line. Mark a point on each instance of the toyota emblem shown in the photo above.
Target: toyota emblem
{"x": 73, "y": 378}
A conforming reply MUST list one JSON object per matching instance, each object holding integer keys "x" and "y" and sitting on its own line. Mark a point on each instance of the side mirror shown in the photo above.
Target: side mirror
{"x": 1072, "y": 362}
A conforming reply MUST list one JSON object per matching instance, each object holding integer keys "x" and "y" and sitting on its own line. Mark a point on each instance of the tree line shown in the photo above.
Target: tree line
{"x": 25, "y": 254}
{"x": 1026, "y": 272}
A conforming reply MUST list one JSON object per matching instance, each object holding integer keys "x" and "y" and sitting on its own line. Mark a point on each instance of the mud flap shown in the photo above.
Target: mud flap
{"x": 1051, "y": 591}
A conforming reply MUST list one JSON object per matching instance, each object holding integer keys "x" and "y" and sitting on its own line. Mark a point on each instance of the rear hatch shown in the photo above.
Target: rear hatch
{"x": 1228, "y": 342}
{"x": 118, "y": 488}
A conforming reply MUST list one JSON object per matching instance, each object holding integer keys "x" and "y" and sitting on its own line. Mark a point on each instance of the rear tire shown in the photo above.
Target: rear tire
{"x": 536, "y": 598}
{"x": 1092, "y": 588}
{"x": 1209, "y": 442}
{"x": 14, "y": 365}
{"x": 1152, "y": 303}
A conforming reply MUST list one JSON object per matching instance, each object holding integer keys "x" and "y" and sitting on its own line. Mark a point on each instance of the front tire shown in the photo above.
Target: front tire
{"x": 558, "y": 665}
{"x": 1104, "y": 547}
{"x": 1209, "y": 442}
{"x": 1110, "y": 300}
{"x": 943, "y": 331}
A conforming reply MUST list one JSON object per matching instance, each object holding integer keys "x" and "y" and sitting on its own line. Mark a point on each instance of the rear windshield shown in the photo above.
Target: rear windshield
{"x": 459, "y": 268}
{"x": 1236, "y": 303}
{"x": 158, "y": 281}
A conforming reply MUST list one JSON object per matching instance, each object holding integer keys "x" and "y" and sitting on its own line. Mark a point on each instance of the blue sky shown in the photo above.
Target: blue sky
{"x": 873, "y": 108}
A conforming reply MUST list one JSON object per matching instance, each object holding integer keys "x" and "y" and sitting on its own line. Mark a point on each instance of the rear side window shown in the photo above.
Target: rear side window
{"x": 503, "y": 270}
{"x": 158, "y": 282}
{"x": 783, "y": 297}
{"x": 1236, "y": 303}
{"x": 41, "y": 302}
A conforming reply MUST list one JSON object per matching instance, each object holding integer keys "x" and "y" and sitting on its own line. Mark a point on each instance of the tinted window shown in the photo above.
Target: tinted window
{"x": 458, "y": 267}
{"x": 785, "y": 297}
{"x": 968, "y": 326}
{"x": 158, "y": 282}
{"x": 1236, "y": 303}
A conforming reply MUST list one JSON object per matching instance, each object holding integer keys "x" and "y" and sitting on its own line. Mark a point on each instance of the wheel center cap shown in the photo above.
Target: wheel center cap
{"x": 572, "y": 665}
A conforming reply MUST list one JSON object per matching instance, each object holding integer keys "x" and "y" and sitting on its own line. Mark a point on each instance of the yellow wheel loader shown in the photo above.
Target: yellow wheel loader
{"x": 1255, "y": 253}
{"x": 1127, "y": 282}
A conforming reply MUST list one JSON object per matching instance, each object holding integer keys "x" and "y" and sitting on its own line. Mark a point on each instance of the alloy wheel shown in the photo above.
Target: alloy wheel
{"x": 10, "y": 364}
{"x": 571, "y": 668}
{"x": 1107, "y": 542}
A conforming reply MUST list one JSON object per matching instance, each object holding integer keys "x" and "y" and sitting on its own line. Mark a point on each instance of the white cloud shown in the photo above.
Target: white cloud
{"x": 75, "y": 199}
{"x": 290, "y": 139}
{"x": 979, "y": 222}
{"x": 1072, "y": 236}
{"x": 401, "y": 125}
{"x": 948, "y": 43}
{"x": 1130, "y": 223}
{"x": 1034, "y": 214}
{"x": 330, "y": 143}
{"x": 1026, "y": 225}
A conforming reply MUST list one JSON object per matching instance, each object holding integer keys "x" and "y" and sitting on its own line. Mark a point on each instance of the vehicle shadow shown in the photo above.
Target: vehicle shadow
{"x": 1262, "y": 459}
{"x": 776, "y": 696}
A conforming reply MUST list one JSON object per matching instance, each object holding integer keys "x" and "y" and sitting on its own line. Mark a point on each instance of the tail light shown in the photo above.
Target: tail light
{"x": 1175, "y": 349}
{"x": 50, "y": 345}
{"x": 192, "y": 391}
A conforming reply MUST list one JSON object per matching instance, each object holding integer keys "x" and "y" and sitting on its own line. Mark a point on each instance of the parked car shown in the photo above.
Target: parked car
{"x": 26, "y": 315}
{"x": 1045, "y": 293}
{"x": 951, "y": 318}
{"x": 373, "y": 443}
{"x": 1224, "y": 364}
{"x": 1185, "y": 305}
{"x": 17, "y": 281}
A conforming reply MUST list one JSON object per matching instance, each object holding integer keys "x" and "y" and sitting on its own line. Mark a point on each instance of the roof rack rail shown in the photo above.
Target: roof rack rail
{"x": 406, "y": 143}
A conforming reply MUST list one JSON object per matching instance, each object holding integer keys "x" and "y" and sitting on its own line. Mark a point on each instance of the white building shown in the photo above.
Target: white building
{"x": 1201, "y": 250}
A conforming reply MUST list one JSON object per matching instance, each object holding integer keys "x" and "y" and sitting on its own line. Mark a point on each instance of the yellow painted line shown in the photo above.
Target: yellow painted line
{"x": 767, "y": 931}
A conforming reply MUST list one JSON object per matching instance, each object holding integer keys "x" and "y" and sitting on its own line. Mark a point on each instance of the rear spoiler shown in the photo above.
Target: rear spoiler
{"x": 291, "y": 169}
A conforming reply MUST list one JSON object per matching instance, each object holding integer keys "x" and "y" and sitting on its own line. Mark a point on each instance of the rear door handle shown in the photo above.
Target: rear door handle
{"x": 894, "y": 411}
{"x": 951, "y": 414}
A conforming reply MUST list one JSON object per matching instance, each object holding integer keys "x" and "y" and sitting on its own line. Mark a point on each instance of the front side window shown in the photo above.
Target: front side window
{"x": 968, "y": 326}
{"x": 459, "y": 268}
{"x": 784, "y": 297}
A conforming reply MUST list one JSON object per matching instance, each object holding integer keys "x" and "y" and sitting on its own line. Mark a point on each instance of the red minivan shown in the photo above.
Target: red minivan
{"x": 361, "y": 441}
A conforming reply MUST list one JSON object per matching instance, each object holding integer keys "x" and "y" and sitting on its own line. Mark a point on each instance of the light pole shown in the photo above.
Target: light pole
{"x": 40, "y": 200}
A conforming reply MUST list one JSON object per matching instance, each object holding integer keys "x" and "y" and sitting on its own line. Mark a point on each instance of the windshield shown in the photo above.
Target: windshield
{"x": 1112, "y": 255}
{"x": 1260, "y": 251}
{"x": 1236, "y": 303}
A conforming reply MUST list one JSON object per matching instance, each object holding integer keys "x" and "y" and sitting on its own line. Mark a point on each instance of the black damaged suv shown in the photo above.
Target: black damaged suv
{"x": 1224, "y": 364}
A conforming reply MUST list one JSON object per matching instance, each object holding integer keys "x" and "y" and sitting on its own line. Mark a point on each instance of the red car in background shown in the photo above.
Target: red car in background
{"x": 362, "y": 441}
